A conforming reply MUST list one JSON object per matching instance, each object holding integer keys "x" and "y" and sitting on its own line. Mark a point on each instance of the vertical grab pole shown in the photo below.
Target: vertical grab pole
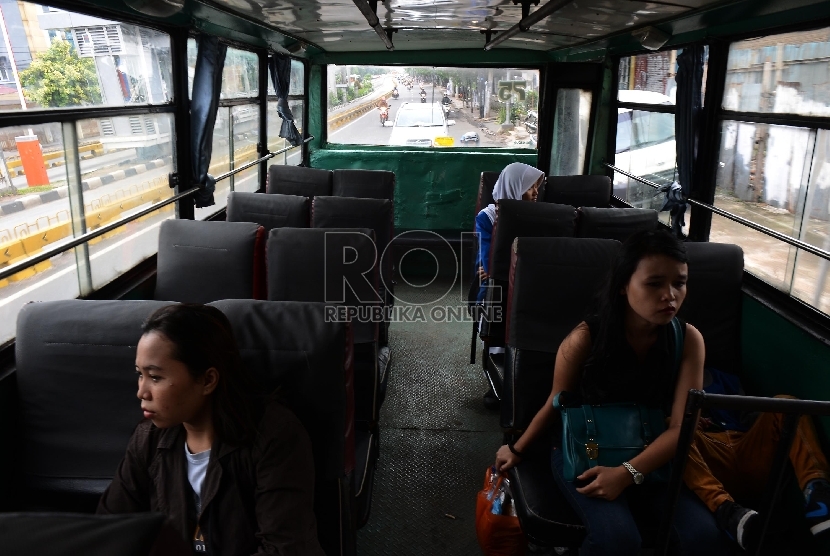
{"x": 776, "y": 476}
{"x": 694, "y": 402}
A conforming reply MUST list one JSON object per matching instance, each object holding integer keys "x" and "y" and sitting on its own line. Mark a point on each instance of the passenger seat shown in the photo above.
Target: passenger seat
{"x": 293, "y": 347}
{"x": 269, "y": 211}
{"x": 364, "y": 184}
{"x": 200, "y": 262}
{"x": 552, "y": 284}
{"x": 515, "y": 219}
{"x": 303, "y": 266}
{"x": 578, "y": 191}
{"x": 297, "y": 180}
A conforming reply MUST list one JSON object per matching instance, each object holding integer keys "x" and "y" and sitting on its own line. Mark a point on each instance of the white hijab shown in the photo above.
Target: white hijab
{"x": 513, "y": 182}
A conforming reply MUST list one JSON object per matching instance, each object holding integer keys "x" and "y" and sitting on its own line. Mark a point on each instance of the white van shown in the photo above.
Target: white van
{"x": 420, "y": 124}
{"x": 645, "y": 140}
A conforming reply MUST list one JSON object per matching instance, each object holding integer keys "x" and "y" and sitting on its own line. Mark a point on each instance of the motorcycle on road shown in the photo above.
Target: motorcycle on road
{"x": 423, "y": 97}
{"x": 384, "y": 116}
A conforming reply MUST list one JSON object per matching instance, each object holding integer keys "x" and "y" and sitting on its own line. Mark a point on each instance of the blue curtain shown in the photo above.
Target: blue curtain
{"x": 204, "y": 103}
{"x": 687, "y": 117}
{"x": 279, "y": 67}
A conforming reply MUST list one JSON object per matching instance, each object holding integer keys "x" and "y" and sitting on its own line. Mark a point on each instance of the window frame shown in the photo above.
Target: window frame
{"x": 783, "y": 303}
{"x": 326, "y": 144}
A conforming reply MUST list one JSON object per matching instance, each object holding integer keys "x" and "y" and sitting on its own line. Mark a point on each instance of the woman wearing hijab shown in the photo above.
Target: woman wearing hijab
{"x": 516, "y": 181}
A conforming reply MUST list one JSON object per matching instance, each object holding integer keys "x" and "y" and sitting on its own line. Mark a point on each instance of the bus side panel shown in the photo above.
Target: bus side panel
{"x": 780, "y": 358}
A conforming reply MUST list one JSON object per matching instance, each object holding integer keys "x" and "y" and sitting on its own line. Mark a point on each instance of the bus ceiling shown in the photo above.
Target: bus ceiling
{"x": 558, "y": 30}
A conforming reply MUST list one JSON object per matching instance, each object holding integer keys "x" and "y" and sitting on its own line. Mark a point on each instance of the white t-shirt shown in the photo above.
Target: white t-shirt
{"x": 196, "y": 470}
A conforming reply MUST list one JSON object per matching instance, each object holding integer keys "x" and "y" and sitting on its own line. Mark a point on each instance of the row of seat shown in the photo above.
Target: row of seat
{"x": 77, "y": 407}
{"x": 577, "y": 191}
{"x": 284, "y": 248}
{"x": 313, "y": 182}
{"x": 193, "y": 250}
{"x": 551, "y": 286}
{"x": 522, "y": 219}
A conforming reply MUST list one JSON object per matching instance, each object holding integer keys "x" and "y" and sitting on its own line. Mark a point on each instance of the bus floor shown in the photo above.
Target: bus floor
{"x": 436, "y": 437}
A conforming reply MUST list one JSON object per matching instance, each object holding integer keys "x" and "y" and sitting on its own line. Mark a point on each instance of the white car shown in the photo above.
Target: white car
{"x": 421, "y": 125}
{"x": 645, "y": 140}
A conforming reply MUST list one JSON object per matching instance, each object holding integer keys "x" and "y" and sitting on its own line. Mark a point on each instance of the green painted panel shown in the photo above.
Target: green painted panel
{"x": 435, "y": 189}
{"x": 316, "y": 109}
{"x": 602, "y": 122}
{"x": 781, "y": 358}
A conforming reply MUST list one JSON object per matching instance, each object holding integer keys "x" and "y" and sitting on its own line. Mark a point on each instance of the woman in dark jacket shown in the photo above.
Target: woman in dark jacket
{"x": 233, "y": 476}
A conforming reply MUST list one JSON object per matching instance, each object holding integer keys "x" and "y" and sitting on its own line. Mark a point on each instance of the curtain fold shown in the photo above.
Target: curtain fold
{"x": 279, "y": 67}
{"x": 204, "y": 103}
{"x": 687, "y": 117}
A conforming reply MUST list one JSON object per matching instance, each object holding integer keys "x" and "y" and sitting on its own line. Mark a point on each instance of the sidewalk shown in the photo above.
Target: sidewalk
{"x": 489, "y": 126}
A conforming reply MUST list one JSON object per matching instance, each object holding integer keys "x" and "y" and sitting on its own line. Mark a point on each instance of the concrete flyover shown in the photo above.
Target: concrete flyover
{"x": 352, "y": 113}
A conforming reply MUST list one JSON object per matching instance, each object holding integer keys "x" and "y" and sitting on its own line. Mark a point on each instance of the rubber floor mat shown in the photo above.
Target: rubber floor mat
{"x": 436, "y": 437}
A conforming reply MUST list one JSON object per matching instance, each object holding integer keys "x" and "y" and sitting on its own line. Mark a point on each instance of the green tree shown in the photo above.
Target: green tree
{"x": 59, "y": 77}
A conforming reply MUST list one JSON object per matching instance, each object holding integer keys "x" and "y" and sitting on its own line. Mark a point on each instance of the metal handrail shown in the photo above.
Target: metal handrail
{"x": 812, "y": 249}
{"x": 268, "y": 156}
{"x": 698, "y": 400}
{"x": 83, "y": 238}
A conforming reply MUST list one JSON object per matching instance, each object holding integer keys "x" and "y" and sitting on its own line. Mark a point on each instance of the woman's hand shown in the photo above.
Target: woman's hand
{"x": 482, "y": 274}
{"x": 505, "y": 459}
{"x": 605, "y": 482}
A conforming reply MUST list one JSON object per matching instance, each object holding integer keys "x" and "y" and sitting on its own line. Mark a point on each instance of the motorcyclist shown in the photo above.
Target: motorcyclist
{"x": 383, "y": 106}
{"x": 446, "y": 99}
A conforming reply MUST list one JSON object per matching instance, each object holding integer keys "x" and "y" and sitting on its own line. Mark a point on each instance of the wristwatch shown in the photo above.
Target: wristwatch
{"x": 638, "y": 477}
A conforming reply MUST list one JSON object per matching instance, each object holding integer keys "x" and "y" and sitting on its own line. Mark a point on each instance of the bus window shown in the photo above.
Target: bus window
{"x": 490, "y": 107}
{"x": 623, "y": 131}
{"x": 570, "y": 132}
{"x": 651, "y": 128}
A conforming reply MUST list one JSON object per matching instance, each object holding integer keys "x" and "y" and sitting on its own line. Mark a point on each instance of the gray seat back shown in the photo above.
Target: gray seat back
{"x": 349, "y": 212}
{"x": 714, "y": 301}
{"x": 306, "y": 264}
{"x": 296, "y": 180}
{"x": 526, "y": 219}
{"x": 485, "y": 189}
{"x": 578, "y": 191}
{"x": 76, "y": 388}
{"x": 367, "y": 184}
{"x": 23, "y": 534}
{"x": 294, "y": 347}
{"x": 614, "y": 223}
{"x": 291, "y": 345}
{"x": 269, "y": 211}
{"x": 553, "y": 284}
{"x": 199, "y": 262}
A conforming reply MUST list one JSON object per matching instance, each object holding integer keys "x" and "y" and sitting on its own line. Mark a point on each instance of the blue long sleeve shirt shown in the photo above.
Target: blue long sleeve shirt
{"x": 484, "y": 228}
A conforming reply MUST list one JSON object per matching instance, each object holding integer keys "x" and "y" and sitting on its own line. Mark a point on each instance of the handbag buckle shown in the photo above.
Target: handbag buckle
{"x": 592, "y": 449}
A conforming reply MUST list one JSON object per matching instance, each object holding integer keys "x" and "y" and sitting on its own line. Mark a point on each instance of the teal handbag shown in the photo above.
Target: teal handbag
{"x": 610, "y": 434}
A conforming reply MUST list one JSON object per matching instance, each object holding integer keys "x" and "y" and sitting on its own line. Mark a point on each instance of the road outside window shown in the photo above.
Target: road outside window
{"x": 433, "y": 107}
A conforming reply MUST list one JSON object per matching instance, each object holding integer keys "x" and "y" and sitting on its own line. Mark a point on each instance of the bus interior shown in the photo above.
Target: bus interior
{"x": 156, "y": 151}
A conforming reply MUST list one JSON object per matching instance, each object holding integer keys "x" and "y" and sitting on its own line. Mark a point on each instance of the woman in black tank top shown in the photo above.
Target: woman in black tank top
{"x": 624, "y": 353}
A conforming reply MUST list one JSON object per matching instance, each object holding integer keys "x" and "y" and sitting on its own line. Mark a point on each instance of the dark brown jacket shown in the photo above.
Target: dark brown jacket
{"x": 256, "y": 499}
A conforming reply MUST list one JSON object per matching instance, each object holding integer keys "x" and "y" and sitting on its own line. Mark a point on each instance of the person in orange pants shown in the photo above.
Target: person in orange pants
{"x": 727, "y": 463}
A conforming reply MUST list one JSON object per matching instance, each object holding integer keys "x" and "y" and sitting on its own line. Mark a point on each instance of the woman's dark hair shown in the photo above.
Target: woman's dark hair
{"x": 610, "y": 304}
{"x": 203, "y": 338}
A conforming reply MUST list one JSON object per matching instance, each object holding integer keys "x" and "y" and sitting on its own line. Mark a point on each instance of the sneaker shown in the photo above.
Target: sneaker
{"x": 740, "y": 524}
{"x": 491, "y": 401}
{"x": 817, "y": 496}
